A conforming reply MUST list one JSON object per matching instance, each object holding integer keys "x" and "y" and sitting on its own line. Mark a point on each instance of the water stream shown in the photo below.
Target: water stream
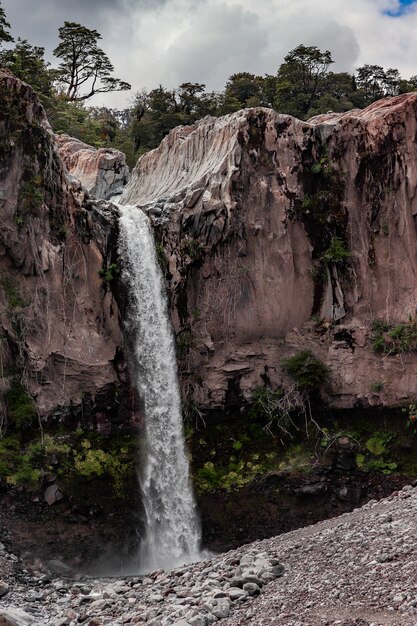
{"x": 172, "y": 529}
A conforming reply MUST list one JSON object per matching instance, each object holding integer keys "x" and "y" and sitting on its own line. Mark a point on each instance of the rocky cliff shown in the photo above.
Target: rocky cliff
{"x": 279, "y": 235}
{"x": 103, "y": 172}
{"x": 275, "y": 235}
{"x": 60, "y": 338}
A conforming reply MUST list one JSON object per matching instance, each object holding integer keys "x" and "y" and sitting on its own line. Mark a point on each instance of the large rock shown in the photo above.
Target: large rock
{"x": 246, "y": 207}
{"x": 59, "y": 322}
{"x": 15, "y": 617}
{"x": 102, "y": 172}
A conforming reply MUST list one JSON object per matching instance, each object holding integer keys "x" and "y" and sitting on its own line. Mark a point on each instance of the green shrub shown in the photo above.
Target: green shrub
{"x": 11, "y": 292}
{"x": 109, "y": 273}
{"x": 92, "y": 462}
{"x": 30, "y": 195}
{"x": 194, "y": 249}
{"x": 20, "y": 406}
{"x": 307, "y": 370}
{"x": 377, "y": 387}
{"x": 337, "y": 252}
{"x": 394, "y": 338}
{"x": 161, "y": 256}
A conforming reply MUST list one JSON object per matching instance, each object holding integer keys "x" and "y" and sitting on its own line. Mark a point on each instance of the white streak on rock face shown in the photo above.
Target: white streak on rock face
{"x": 172, "y": 534}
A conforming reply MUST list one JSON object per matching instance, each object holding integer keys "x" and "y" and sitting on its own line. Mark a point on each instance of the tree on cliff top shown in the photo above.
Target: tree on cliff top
{"x": 84, "y": 65}
{"x": 300, "y": 79}
{"x": 4, "y": 26}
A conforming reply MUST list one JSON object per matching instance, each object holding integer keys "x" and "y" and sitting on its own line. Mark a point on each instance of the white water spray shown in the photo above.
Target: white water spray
{"x": 172, "y": 533}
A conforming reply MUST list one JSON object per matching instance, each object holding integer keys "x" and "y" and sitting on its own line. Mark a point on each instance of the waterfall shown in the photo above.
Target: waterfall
{"x": 172, "y": 532}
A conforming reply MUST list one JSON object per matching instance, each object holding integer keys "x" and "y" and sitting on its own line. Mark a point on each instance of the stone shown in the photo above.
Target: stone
{"x": 251, "y": 589}
{"x": 15, "y": 617}
{"x": 4, "y": 588}
{"x": 102, "y": 172}
{"x": 276, "y": 313}
{"x": 198, "y": 620}
{"x": 235, "y": 593}
{"x": 278, "y": 570}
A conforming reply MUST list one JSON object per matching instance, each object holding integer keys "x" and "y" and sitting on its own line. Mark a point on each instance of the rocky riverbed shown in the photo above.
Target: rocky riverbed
{"x": 354, "y": 570}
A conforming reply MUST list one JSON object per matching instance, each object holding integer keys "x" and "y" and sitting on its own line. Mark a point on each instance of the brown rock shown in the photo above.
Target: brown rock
{"x": 102, "y": 172}
{"x": 240, "y": 193}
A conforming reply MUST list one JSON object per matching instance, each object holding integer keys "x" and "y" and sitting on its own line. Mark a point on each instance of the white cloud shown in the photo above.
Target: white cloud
{"x": 172, "y": 41}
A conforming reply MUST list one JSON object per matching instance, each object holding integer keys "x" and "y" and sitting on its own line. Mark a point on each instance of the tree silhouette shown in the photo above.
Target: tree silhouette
{"x": 84, "y": 65}
{"x": 5, "y": 36}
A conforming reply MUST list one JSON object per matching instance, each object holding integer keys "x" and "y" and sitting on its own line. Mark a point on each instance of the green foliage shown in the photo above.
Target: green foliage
{"x": 27, "y": 62}
{"x": 394, "y": 338}
{"x": 235, "y": 475}
{"x": 377, "y": 386}
{"x": 379, "y": 446}
{"x": 301, "y": 79}
{"x": 30, "y": 195}
{"x": 84, "y": 64}
{"x": 20, "y": 407}
{"x": 411, "y": 412}
{"x": 263, "y": 398}
{"x": 90, "y": 463}
{"x": 336, "y": 252}
{"x": 109, "y": 273}
{"x": 76, "y": 457}
{"x": 194, "y": 249}
{"x": 5, "y": 36}
{"x": 306, "y": 370}
{"x": 161, "y": 256}
{"x": 11, "y": 292}
{"x": 376, "y": 445}
{"x": 184, "y": 342}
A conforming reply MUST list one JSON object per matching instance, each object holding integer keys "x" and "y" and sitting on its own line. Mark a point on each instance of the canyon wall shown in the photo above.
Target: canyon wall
{"x": 60, "y": 331}
{"x": 278, "y": 235}
{"x": 275, "y": 236}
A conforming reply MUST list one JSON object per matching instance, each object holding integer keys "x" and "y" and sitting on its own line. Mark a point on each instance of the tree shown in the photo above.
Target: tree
{"x": 300, "y": 80}
{"x": 370, "y": 82}
{"x": 5, "y": 36}
{"x": 84, "y": 65}
{"x": 27, "y": 63}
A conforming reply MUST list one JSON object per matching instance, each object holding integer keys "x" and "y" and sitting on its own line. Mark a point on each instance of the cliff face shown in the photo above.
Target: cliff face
{"x": 281, "y": 235}
{"x": 60, "y": 335}
{"x": 103, "y": 172}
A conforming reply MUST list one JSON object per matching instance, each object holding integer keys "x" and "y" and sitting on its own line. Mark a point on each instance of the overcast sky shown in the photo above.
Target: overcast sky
{"x": 173, "y": 41}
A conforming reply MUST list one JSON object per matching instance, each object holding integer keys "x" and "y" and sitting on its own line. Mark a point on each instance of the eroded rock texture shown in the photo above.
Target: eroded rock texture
{"x": 249, "y": 209}
{"x": 60, "y": 335}
{"x": 102, "y": 172}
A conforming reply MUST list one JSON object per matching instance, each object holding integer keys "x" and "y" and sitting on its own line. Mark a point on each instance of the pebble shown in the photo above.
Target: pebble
{"x": 323, "y": 575}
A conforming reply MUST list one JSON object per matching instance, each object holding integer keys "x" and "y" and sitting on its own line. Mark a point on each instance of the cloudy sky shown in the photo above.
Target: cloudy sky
{"x": 172, "y": 41}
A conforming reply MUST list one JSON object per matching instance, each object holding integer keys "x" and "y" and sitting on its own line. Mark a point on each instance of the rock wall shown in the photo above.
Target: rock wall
{"x": 103, "y": 172}
{"x": 60, "y": 337}
{"x": 247, "y": 208}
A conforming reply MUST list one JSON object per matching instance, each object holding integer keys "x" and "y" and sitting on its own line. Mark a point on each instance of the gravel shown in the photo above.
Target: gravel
{"x": 354, "y": 570}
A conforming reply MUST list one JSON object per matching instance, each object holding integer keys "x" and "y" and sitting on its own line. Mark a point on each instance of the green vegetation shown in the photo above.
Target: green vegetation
{"x": 391, "y": 338}
{"x": 336, "y": 252}
{"x": 11, "y": 292}
{"x": 377, "y": 386}
{"x": 30, "y": 195}
{"x": 84, "y": 64}
{"x": 20, "y": 406}
{"x": 194, "y": 249}
{"x": 303, "y": 85}
{"x": 161, "y": 256}
{"x": 109, "y": 272}
{"x": 92, "y": 462}
{"x": 5, "y": 36}
{"x": 184, "y": 342}
{"x": 307, "y": 370}
{"x": 72, "y": 457}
